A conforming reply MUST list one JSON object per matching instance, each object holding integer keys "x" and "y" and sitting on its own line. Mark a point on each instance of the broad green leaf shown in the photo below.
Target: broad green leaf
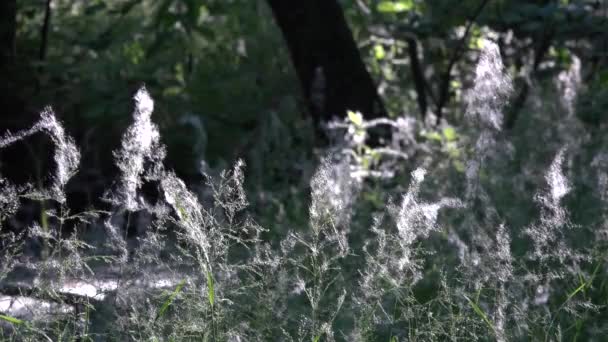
{"x": 365, "y": 162}
{"x": 395, "y": 6}
{"x": 476, "y": 43}
{"x": 355, "y": 117}
{"x": 453, "y": 149}
{"x": 459, "y": 166}
{"x": 379, "y": 52}
{"x": 450, "y": 134}
{"x": 432, "y": 136}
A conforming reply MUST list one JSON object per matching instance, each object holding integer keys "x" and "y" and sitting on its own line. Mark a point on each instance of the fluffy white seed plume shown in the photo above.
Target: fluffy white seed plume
{"x": 503, "y": 254}
{"x": 392, "y": 257}
{"x": 569, "y": 83}
{"x": 558, "y": 187}
{"x": 66, "y": 156}
{"x": 503, "y": 273}
{"x": 230, "y": 192}
{"x": 332, "y": 191}
{"x": 557, "y": 181}
{"x": 189, "y": 212}
{"x": 485, "y": 102}
{"x": 491, "y": 90}
{"x": 546, "y": 234}
{"x": 140, "y": 144}
{"x": 415, "y": 219}
{"x": 9, "y": 199}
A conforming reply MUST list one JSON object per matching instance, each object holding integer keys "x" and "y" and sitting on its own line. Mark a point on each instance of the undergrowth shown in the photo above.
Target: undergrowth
{"x": 442, "y": 255}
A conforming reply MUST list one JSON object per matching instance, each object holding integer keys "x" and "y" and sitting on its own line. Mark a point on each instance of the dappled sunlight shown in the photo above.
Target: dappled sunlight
{"x": 397, "y": 170}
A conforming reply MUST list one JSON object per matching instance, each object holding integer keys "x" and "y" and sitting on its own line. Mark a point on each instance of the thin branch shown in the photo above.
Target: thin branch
{"x": 460, "y": 49}
{"x": 539, "y": 55}
{"x": 363, "y": 7}
{"x": 365, "y": 125}
{"x": 44, "y": 31}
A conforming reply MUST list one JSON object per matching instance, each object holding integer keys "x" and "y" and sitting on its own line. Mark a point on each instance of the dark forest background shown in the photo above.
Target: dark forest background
{"x": 260, "y": 81}
{"x": 237, "y": 78}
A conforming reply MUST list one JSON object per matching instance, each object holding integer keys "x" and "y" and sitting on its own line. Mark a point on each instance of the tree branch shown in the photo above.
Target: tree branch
{"x": 412, "y": 47}
{"x": 539, "y": 54}
{"x": 444, "y": 89}
{"x": 44, "y": 31}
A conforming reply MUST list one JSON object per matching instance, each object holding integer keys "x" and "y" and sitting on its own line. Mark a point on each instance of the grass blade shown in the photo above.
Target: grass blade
{"x": 577, "y": 290}
{"x": 170, "y": 299}
{"x": 12, "y": 320}
{"x": 480, "y": 313}
{"x": 210, "y": 288}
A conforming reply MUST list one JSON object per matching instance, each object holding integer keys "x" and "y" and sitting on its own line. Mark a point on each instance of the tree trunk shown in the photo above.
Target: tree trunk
{"x": 10, "y": 89}
{"x": 8, "y": 16}
{"x": 16, "y": 163}
{"x": 332, "y": 74}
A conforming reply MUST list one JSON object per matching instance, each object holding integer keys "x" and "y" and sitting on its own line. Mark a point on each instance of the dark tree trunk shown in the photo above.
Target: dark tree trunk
{"x": 8, "y": 15}
{"x": 539, "y": 54}
{"x": 11, "y": 103}
{"x": 332, "y": 74}
{"x": 417, "y": 76}
{"x": 16, "y": 162}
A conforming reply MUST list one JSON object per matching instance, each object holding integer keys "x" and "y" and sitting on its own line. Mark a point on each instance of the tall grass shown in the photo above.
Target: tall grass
{"x": 439, "y": 256}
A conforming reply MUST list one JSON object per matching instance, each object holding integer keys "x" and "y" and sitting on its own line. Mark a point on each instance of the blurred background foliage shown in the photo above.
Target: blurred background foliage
{"x": 215, "y": 68}
{"x": 225, "y": 87}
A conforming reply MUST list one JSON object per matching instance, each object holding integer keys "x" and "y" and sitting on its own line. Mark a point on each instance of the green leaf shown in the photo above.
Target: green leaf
{"x": 433, "y": 136}
{"x": 577, "y": 290}
{"x": 379, "y": 52}
{"x": 476, "y": 41}
{"x": 170, "y": 299}
{"x": 453, "y": 150}
{"x": 480, "y": 313}
{"x": 395, "y": 6}
{"x": 459, "y": 166}
{"x": 12, "y": 320}
{"x": 210, "y": 288}
{"x": 356, "y": 118}
{"x": 450, "y": 134}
